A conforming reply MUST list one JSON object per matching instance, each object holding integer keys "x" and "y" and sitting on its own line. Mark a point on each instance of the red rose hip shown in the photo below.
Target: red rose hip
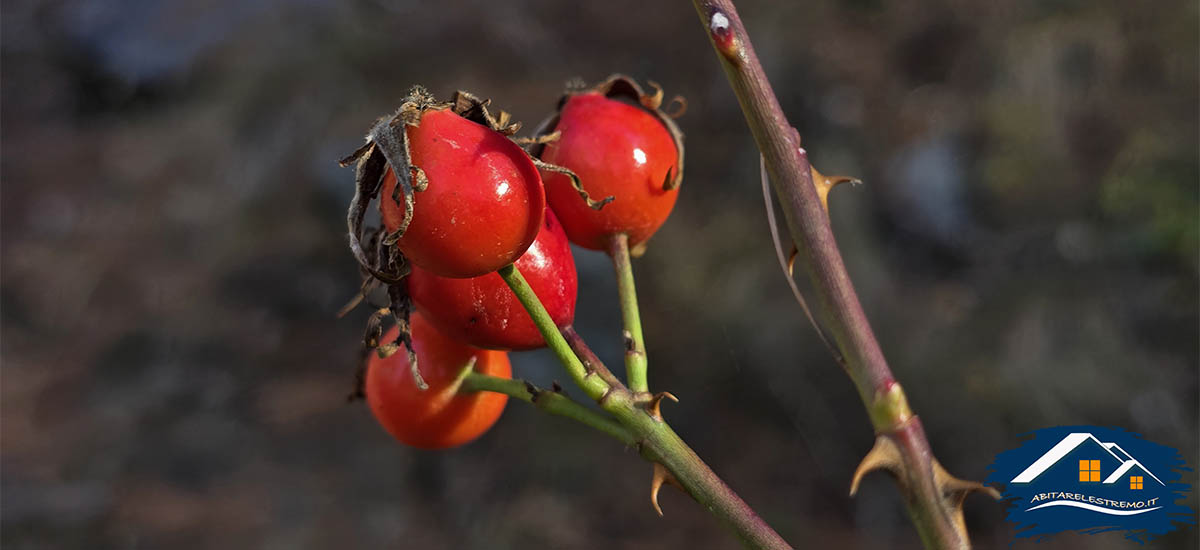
{"x": 484, "y": 312}
{"x": 438, "y": 417}
{"x": 483, "y": 204}
{"x": 618, "y": 150}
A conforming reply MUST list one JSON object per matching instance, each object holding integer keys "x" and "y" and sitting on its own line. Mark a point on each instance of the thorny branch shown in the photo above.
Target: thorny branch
{"x": 934, "y": 498}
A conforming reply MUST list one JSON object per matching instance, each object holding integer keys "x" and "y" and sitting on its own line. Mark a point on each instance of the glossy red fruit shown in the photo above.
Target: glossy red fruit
{"x": 617, "y": 150}
{"x": 484, "y": 312}
{"x": 438, "y": 417}
{"x": 483, "y": 205}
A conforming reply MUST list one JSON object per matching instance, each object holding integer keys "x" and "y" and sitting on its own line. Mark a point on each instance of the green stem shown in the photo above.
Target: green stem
{"x": 660, "y": 443}
{"x": 594, "y": 386}
{"x": 585, "y": 354}
{"x": 548, "y": 401}
{"x": 652, "y": 436}
{"x": 635, "y": 344}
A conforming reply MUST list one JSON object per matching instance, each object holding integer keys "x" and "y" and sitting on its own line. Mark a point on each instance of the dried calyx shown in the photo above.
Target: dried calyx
{"x": 621, "y": 88}
{"x": 379, "y": 257}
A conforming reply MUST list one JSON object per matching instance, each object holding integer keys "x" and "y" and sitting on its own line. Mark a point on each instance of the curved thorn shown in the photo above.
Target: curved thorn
{"x": 884, "y": 455}
{"x": 661, "y": 475}
{"x": 653, "y": 406}
{"x": 786, "y": 265}
{"x": 825, "y": 184}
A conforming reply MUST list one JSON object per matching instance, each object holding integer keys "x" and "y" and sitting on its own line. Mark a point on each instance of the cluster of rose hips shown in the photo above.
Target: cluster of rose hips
{"x": 460, "y": 199}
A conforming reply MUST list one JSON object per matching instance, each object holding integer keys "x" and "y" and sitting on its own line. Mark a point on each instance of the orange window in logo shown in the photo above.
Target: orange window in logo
{"x": 1135, "y": 482}
{"x": 1089, "y": 471}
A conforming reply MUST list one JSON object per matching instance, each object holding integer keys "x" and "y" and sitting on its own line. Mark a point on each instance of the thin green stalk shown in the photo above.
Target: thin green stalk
{"x": 652, "y": 436}
{"x": 549, "y": 401}
{"x": 660, "y": 443}
{"x": 594, "y": 386}
{"x": 635, "y": 344}
{"x": 585, "y": 354}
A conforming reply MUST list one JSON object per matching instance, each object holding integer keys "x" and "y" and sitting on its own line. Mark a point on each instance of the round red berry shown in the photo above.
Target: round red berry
{"x": 483, "y": 205}
{"x": 484, "y": 312}
{"x": 438, "y": 417}
{"x": 618, "y": 150}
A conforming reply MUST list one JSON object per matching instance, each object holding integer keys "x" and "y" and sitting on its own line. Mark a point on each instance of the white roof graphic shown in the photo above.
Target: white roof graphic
{"x": 1117, "y": 450}
{"x": 1068, "y": 444}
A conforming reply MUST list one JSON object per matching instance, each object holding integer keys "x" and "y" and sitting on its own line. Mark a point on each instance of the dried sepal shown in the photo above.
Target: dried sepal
{"x": 391, "y": 138}
{"x": 680, "y": 105}
{"x": 619, "y": 86}
{"x": 593, "y": 204}
{"x": 368, "y": 284}
{"x": 539, "y": 140}
{"x": 652, "y": 101}
{"x": 387, "y": 146}
{"x": 357, "y": 154}
{"x": 401, "y": 312}
{"x": 368, "y": 177}
{"x": 473, "y": 108}
{"x": 376, "y": 250}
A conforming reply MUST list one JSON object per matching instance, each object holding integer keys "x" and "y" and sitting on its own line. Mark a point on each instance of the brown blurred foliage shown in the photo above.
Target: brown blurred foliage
{"x": 174, "y": 252}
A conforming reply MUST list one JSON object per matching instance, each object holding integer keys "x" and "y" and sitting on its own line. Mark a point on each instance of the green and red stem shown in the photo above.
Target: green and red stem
{"x": 653, "y": 437}
{"x": 927, "y": 491}
{"x": 550, "y": 401}
{"x": 635, "y": 343}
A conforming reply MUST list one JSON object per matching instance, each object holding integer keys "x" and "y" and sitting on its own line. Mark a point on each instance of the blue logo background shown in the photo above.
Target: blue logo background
{"x": 1042, "y": 482}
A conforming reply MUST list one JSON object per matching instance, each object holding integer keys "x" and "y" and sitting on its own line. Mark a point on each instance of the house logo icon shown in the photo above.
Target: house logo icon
{"x": 1093, "y": 480}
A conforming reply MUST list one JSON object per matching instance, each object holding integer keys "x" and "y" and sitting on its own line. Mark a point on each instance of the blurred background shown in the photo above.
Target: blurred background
{"x": 1026, "y": 245}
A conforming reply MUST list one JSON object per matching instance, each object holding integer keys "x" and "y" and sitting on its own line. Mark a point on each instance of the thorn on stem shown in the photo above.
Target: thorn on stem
{"x": 661, "y": 475}
{"x": 653, "y": 406}
{"x": 884, "y": 455}
{"x": 955, "y": 490}
{"x": 825, "y": 183}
